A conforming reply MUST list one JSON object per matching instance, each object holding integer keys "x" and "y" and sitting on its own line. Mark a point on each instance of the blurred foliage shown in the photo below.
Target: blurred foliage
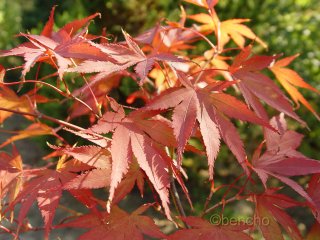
{"x": 10, "y": 22}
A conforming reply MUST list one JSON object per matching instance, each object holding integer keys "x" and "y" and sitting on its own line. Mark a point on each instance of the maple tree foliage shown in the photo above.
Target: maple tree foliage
{"x": 185, "y": 97}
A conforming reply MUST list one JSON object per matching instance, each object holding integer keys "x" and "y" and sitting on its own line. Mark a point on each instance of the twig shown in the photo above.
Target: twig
{"x": 7, "y": 230}
{"x": 43, "y": 116}
{"x": 71, "y": 211}
{"x": 234, "y": 198}
{"x": 57, "y": 90}
{"x": 174, "y": 193}
{"x": 99, "y": 115}
{"x": 58, "y": 121}
{"x": 177, "y": 198}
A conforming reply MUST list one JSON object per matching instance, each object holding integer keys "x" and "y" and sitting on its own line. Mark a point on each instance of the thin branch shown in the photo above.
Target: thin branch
{"x": 9, "y": 231}
{"x": 43, "y": 116}
{"x": 177, "y": 198}
{"x": 90, "y": 89}
{"x": 207, "y": 62}
{"x": 71, "y": 211}
{"x": 174, "y": 193}
{"x": 56, "y": 89}
{"x": 235, "y": 198}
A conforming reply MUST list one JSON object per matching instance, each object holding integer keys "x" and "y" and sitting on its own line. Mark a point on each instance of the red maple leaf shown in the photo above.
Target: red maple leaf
{"x": 93, "y": 179}
{"x": 314, "y": 193}
{"x": 255, "y": 85}
{"x": 281, "y": 160}
{"x": 46, "y": 189}
{"x": 270, "y": 209}
{"x": 125, "y": 56}
{"x": 11, "y": 176}
{"x": 117, "y": 224}
{"x": 56, "y": 48}
{"x": 134, "y": 135}
{"x": 91, "y": 155}
{"x": 211, "y": 108}
{"x": 204, "y": 230}
{"x": 173, "y": 37}
{"x": 134, "y": 176}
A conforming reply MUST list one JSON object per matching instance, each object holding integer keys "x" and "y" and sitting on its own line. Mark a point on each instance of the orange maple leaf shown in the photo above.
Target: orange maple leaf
{"x": 290, "y": 79}
{"x": 229, "y": 29}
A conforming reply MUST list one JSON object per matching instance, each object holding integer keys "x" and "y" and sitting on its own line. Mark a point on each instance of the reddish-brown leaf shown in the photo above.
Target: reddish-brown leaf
{"x": 92, "y": 155}
{"x": 46, "y": 189}
{"x": 116, "y": 225}
{"x": 125, "y": 56}
{"x": 314, "y": 232}
{"x": 205, "y": 106}
{"x": 35, "y": 129}
{"x": 203, "y": 230}
{"x": 270, "y": 211}
{"x": 134, "y": 176}
{"x": 130, "y": 137}
{"x": 57, "y": 48}
{"x": 11, "y": 176}
{"x": 10, "y": 100}
{"x": 96, "y": 178}
{"x": 255, "y": 85}
{"x": 282, "y": 160}
{"x": 314, "y": 193}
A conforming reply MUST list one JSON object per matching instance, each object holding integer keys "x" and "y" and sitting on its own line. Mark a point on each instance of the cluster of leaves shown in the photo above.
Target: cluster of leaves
{"x": 185, "y": 97}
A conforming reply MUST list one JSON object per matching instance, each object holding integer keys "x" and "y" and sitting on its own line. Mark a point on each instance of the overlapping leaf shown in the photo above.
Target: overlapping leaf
{"x": 46, "y": 190}
{"x": 134, "y": 176}
{"x": 135, "y": 136}
{"x": 56, "y": 48}
{"x": 270, "y": 210}
{"x": 126, "y": 56}
{"x": 11, "y": 176}
{"x": 93, "y": 179}
{"x": 281, "y": 159}
{"x": 116, "y": 225}
{"x": 210, "y": 107}
{"x": 168, "y": 39}
{"x": 226, "y": 30}
{"x": 92, "y": 155}
{"x": 10, "y": 100}
{"x": 32, "y": 130}
{"x": 255, "y": 85}
{"x": 203, "y": 230}
{"x": 314, "y": 193}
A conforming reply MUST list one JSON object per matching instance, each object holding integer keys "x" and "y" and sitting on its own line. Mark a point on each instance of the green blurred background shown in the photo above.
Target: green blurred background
{"x": 287, "y": 26}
